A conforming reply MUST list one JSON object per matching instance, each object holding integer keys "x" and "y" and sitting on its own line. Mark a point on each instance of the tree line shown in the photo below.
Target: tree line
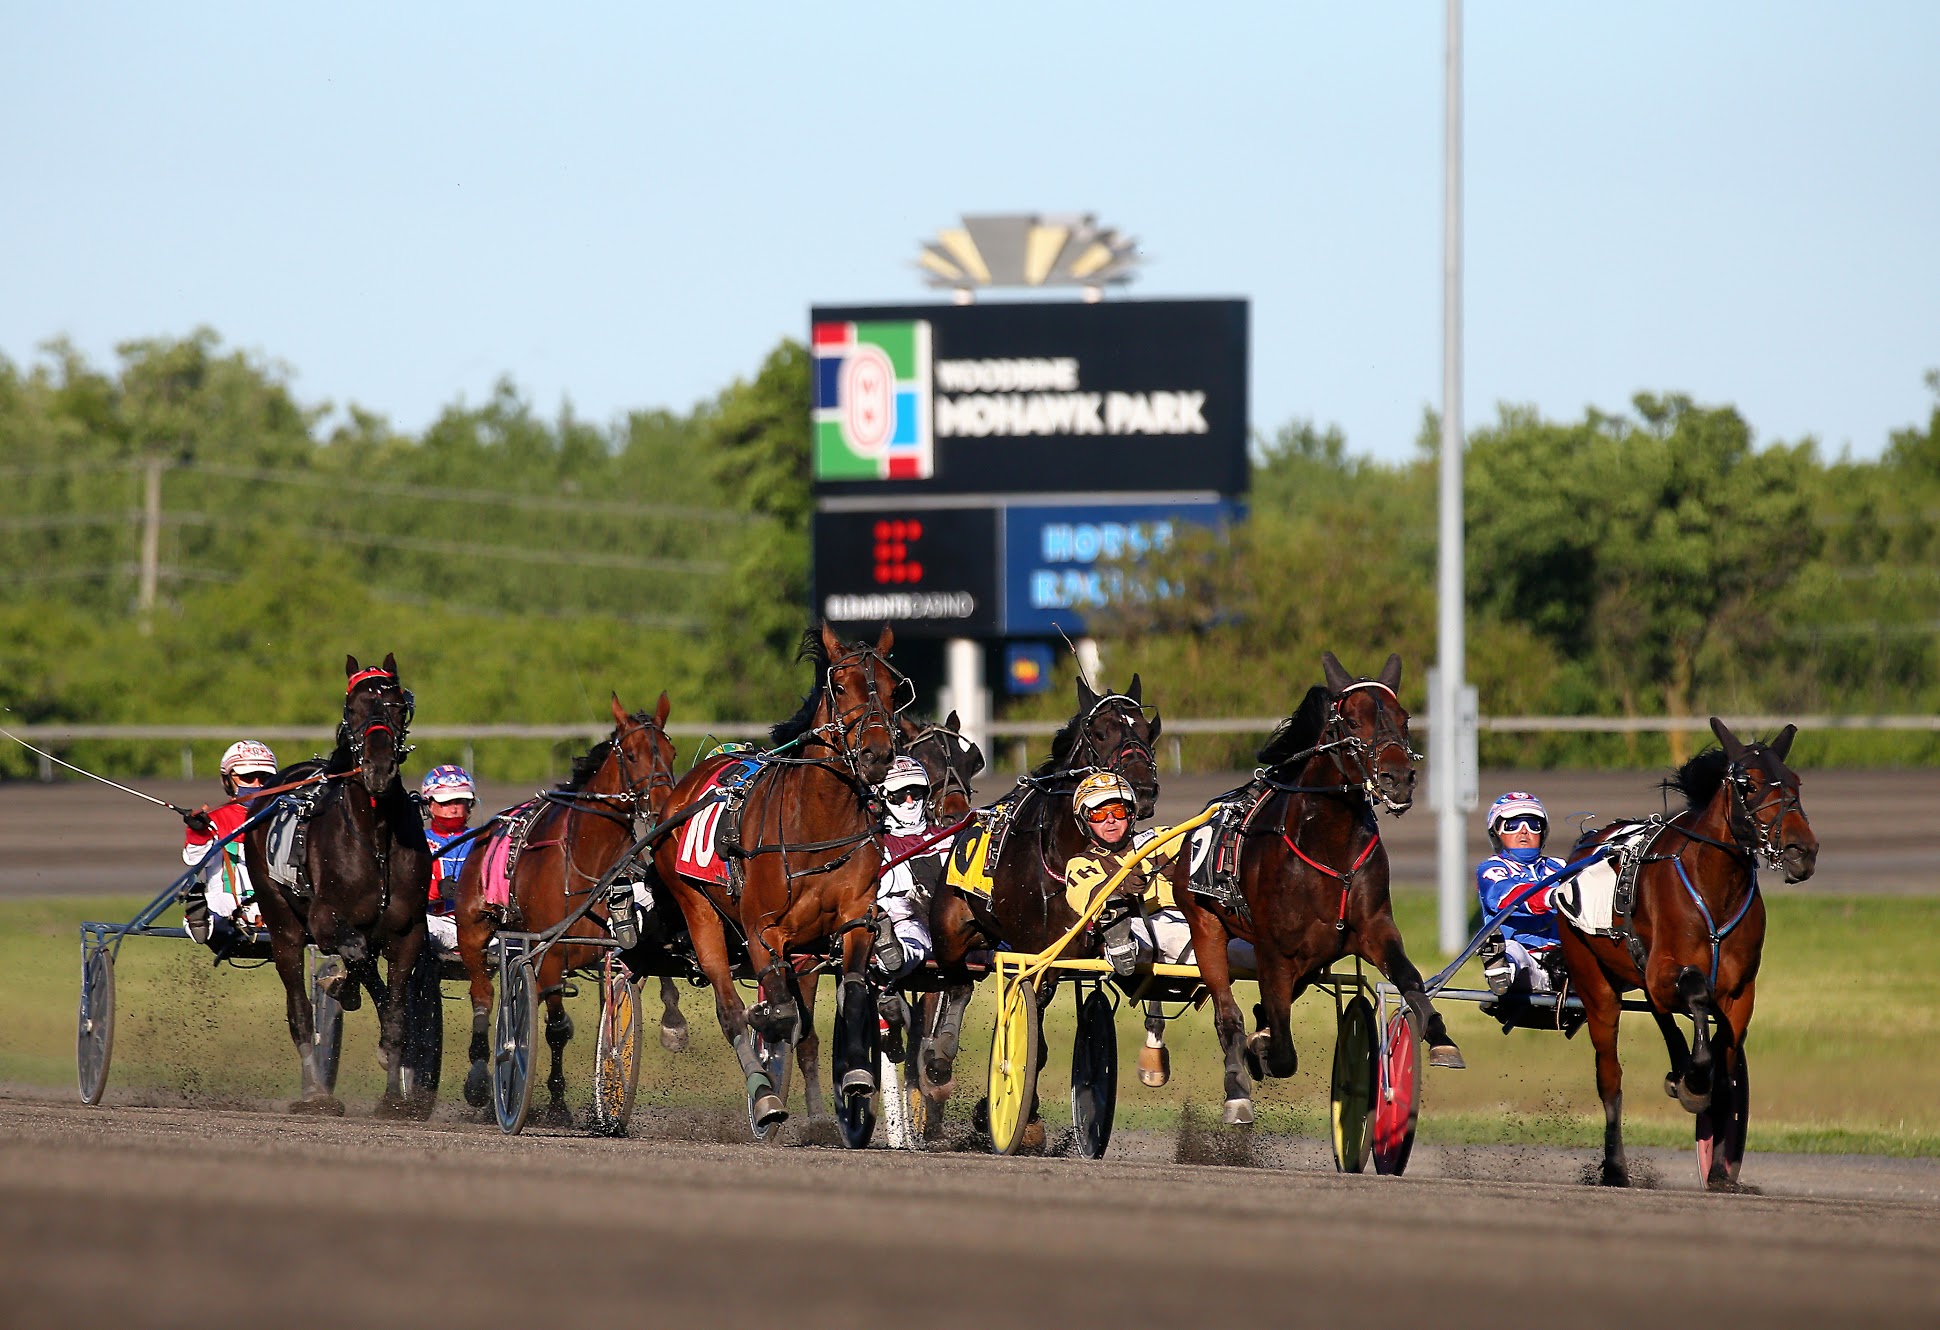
{"x": 183, "y": 541}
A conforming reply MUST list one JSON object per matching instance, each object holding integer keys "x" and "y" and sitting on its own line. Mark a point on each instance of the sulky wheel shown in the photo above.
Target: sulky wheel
{"x": 1013, "y": 1066}
{"x": 1720, "y": 1129}
{"x": 777, "y": 1056}
{"x": 1094, "y": 1075}
{"x": 424, "y": 1034}
{"x": 1398, "y": 1097}
{"x": 858, "y": 1028}
{"x": 616, "y": 1060}
{"x": 1357, "y": 1078}
{"x": 515, "y": 1025}
{"x": 327, "y": 1024}
{"x": 95, "y": 1039}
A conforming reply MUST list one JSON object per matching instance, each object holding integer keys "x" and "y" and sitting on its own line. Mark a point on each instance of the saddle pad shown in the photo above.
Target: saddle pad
{"x": 1213, "y": 850}
{"x": 969, "y": 870}
{"x": 493, "y": 856}
{"x": 282, "y": 845}
{"x": 698, "y": 852}
{"x": 1588, "y": 899}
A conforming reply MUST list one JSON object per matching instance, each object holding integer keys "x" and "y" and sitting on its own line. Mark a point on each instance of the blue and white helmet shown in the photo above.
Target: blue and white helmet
{"x": 1514, "y": 804}
{"x": 446, "y": 784}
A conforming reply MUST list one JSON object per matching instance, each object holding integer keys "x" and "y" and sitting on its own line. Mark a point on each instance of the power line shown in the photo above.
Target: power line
{"x": 564, "y": 559}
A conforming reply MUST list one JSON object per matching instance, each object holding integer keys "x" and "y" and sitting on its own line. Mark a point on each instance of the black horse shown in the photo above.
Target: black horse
{"x": 367, "y": 874}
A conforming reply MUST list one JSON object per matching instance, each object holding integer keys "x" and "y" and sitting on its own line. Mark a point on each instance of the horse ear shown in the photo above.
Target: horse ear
{"x": 1391, "y": 672}
{"x": 973, "y": 758}
{"x": 1157, "y": 725}
{"x": 619, "y": 712}
{"x": 1132, "y": 690}
{"x": 390, "y": 664}
{"x": 1086, "y": 698}
{"x": 1733, "y": 749}
{"x": 350, "y": 665}
{"x": 1337, "y": 678}
{"x": 1783, "y": 743}
{"x": 886, "y": 641}
{"x": 830, "y": 642}
{"x": 952, "y": 724}
{"x": 661, "y": 708}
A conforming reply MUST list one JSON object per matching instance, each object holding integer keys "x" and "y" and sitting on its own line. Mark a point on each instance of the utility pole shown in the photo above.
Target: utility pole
{"x": 1451, "y": 648}
{"x": 151, "y": 540}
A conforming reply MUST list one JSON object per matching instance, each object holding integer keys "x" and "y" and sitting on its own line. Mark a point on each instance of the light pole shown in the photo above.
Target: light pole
{"x": 1450, "y": 644}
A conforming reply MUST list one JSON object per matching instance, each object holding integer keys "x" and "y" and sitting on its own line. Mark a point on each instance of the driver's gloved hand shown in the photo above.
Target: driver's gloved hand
{"x": 198, "y": 821}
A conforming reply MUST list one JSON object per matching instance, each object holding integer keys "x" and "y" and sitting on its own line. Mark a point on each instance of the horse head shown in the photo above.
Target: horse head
{"x": 1766, "y": 814}
{"x": 1115, "y": 734}
{"x": 377, "y": 721}
{"x": 1372, "y": 726}
{"x": 645, "y": 758}
{"x": 861, "y": 694}
{"x": 951, "y": 762}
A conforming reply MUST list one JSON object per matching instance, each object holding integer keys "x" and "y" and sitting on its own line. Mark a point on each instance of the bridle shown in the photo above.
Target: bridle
{"x": 1388, "y": 734}
{"x": 636, "y": 794}
{"x": 355, "y": 740}
{"x": 1131, "y": 747}
{"x": 1757, "y": 835}
{"x": 953, "y": 781}
{"x": 841, "y": 730}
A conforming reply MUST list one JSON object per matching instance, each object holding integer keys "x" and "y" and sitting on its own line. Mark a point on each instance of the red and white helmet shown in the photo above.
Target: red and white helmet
{"x": 903, "y": 773}
{"x": 248, "y": 755}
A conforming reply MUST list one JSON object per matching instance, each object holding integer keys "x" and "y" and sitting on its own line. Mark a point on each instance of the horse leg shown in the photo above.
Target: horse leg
{"x": 1154, "y": 1061}
{"x": 474, "y": 940}
{"x": 392, "y": 999}
{"x": 673, "y": 1025}
{"x": 1729, "y": 1155}
{"x": 943, "y": 1028}
{"x": 1278, "y": 1057}
{"x": 559, "y": 1033}
{"x": 1680, "y": 1052}
{"x": 1675, "y": 988}
{"x": 1378, "y": 942}
{"x": 288, "y": 954}
{"x": 739, "y": 1022}
{"x": 1601, "y": 1010}
{"x": 1209, "y": 942}
{"x": 808, "y": 1049}
{"x": 856, "y": 1018}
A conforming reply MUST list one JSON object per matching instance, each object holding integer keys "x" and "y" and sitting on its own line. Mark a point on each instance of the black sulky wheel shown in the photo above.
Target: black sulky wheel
{"x": 616, "y": 1058}
{"x": 777, "y": 1057}
{"x": 424, "y": 1033}
{"x": 515, "y": 1025}
{"x": 855, "y": 1114}
{"x": 1094, "y": 1075}
{"x": 95, "y": 1042}
{"x": 1357, "y": 1077}
{"x": 327, "y": 1022}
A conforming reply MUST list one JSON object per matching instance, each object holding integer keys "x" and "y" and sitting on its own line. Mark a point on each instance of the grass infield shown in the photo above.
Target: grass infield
{"x": 1841, "y": 1045}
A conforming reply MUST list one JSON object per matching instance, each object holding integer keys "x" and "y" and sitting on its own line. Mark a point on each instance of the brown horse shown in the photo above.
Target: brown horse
{"x": 369, "y": 873}
{"x": 1313, "y": 873}
{"x": 806, "y": 856}
{"x": 617, "y": 792}
{"x": 1027, "y": 908}
{"x": 1695, "y": 936}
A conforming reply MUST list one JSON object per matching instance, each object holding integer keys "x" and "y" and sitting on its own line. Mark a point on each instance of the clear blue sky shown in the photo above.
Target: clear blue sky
{"x": 625, "y": 205}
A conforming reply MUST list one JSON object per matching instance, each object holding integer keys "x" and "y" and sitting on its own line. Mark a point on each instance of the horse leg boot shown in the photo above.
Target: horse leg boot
{"x": 940, "y": 1045}
{"x": 559, "y": 1033}
{"x": 673, "y": 1025}
{"x": 1154, "y": 1059}
{"x": 856, "y": 1029}
{"x": 478, "y": 1081}
{"x": 1230, "y": 1025}
{"x": 763, "y": 1102}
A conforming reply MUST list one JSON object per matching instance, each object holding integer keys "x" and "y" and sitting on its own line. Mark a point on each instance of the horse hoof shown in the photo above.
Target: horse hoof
{"x": 392, "y": 1106}
{"x": 1691, "y": 1100}
{"x": 556, "y": 1114}
{"x": 1239, "y": 1113}
{"x": 673, "y": 1038}
{"x": 769, "y": 1111}
{"x": 1615, "y": 1176}
{"x": 323, "y": 1106}
{"x": 860, "y": 1081}
{"x": 478, "y": 1084}
{"x": 1154, "y": 1066}
{"x": 1446, "y": 1055}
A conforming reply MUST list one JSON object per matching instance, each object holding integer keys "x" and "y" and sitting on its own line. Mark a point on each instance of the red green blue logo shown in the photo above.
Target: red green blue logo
{"x": 872, "y": 401}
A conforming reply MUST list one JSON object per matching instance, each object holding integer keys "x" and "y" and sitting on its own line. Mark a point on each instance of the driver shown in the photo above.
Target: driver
{"x": 1142, "y": 916}
{"x": 1520, "y": 954}
{"x": 905, "y": 891}
{"x": 223, "y": 903}
{"x": 449, "y": 798}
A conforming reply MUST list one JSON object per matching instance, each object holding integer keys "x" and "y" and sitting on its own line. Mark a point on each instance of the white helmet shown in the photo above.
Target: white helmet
{"x": 1101, "y": 787}
{"x": 1514, "y": 804}
{"x": 903, "y": 773}
{"x": 248, "y": 755}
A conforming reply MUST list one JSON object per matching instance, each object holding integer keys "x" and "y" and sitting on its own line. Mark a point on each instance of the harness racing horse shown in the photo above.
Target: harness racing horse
{"x": 617, "y": 792}
{"x": 804, "y": 857}
{"x": 369, "y": 873}
{"x": 1026, "y": 909}
{"x": 1695, "y": 935}
{"x": 1312, "y": 874}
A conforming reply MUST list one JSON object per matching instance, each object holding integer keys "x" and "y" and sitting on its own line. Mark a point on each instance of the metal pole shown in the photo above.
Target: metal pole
{"x": 963, "y": 663}
{"x": 1451, "y": 854}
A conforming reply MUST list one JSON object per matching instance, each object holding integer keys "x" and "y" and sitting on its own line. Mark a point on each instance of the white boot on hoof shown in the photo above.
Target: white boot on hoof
{"x": 1154, "y": 1065}
{"x": 859, "y": 1081}
{"x": 1239, "y": 1113}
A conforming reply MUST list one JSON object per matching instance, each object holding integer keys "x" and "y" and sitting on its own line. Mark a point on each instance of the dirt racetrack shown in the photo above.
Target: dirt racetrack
{"x": 140, "y": 1217}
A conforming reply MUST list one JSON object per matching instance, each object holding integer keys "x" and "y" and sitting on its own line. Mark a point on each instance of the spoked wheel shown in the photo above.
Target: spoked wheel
{"x": 515, "y": 1027}
{"x": 1398, "y": 1096}
{"x": 95, "y": 1040}
{"x": 1720, "y": 1129}
{"x": 424, "y": 1034}
{"x": 327, "y": 1022}
{"x": 855, "y": 1114}
{"x": 776, "y": 1057}
{"x": 1357, "y": 1080}
{"x": 1094, "y": 1075}
{"x": 1013, "y": 1066}
{"x": 616, "y": 1064}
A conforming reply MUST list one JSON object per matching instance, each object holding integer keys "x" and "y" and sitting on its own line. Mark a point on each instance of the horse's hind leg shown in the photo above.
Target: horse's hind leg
{"x": 1378, "y": 941}
{"x": 401, "y": 955}
{"x": 808, "y": 1049}
{"x": 302, "y": 1022}
{"x": 673, "y": 1025}
{"x": 559, "y": 1033}
{"x": 1601, "y": 1010}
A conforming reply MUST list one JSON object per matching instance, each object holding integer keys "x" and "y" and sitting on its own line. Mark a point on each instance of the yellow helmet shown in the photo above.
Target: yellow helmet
{"x": 1101, "y": 787}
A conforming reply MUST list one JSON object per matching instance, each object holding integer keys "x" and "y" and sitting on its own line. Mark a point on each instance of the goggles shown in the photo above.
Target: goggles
{"x": 1115, "y": 811}
{"x": 1533, "y": 825}
{"x": 906, "y": 794}
{"x": 250, "y": 777}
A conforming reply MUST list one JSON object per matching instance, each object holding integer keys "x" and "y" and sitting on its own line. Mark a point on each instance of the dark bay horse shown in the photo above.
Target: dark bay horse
{"x": 369, "y": 872}
{"x": 1697, "y": 933}
{"x": 616, "y": 793}
{"x": 807, "y": 856}
{"x": 1313, "y": 873}
{"x": 1027, "y": 908}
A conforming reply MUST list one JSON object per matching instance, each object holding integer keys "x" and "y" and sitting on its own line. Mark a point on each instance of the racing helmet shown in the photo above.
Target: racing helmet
{"x": 903, "y": 773}
{"x": 447, "y": 784}
{"x": 247, "y": 755}
{"x": 1102, "y": 787}
{"x": 1514, "y": 804}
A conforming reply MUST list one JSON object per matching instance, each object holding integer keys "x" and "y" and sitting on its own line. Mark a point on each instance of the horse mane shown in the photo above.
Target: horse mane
{"x": 1061, "y": 745}
{"x": 1298, "y": 732}
{"x": 587, "y": 765}
{"x": 1699, "y": 778}
{"x": 803, "y": 720}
